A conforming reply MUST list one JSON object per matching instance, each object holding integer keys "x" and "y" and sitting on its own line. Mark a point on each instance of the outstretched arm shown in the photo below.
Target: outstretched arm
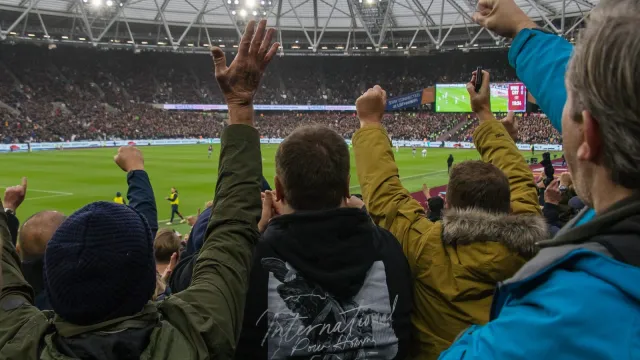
{"x": 497, "y": 147}
{"x": 389, "y": 204}
{"x": 140, "y": 193}
{"x": 16, "y": 297}
{"x": 540, "y": 58}
{"x": 221, "y": 273}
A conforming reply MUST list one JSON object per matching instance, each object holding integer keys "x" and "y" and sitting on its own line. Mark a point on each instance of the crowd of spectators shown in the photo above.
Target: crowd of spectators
{"x": 88, "y": 94}
{"x": 532, "y": 129}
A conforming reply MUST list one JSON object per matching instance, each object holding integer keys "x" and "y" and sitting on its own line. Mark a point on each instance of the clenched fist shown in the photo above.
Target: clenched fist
{"x": 129, "y": 158}
{"x": 370, "y": 106}
{"x": 14, "y": 196}
{"x": 503, "y": 17}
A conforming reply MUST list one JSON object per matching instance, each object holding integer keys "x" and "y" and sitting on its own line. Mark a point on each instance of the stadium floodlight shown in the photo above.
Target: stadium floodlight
{"x": 221, "y": 45}
{"x": 144, "y": 43}
{"x": 236, "y": 2}
{"x": 243, "y": 12}
{"x": 269, "y": 2}
{"x": 31, "y": 35}
{"x": 82, "y": 39}
{"x": 262, "y": 2}
{"x": 161, "y": 43}
{"x": 324, "y": 48}
{"x": 109, "y": 3}
{"x": 85, "y": 1}
{"x": 370, "y": 1}
{"x": 13, "y": 33}
{"x": 233, "y": 12}
{"x": 264, "y": 13}
{"x": 255, "y": 13}
{"x": 250, "y": 3}
{"x": 96, "y": 3}
{"x": 65, "y": 37}
{"x": 121, "y": 4}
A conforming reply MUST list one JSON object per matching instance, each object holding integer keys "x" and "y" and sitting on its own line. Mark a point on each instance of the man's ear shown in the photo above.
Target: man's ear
{"x": 279, "y": 189}
{"x": 591, "y": 146}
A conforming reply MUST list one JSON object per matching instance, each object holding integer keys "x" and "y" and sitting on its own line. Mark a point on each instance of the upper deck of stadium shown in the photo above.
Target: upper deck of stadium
{"x": 305, "y": 27}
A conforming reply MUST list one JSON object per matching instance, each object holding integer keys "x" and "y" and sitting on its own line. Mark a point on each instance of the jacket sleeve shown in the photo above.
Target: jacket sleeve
{"x": 14, "y": 225}
{"x": 540, "y": 60}
{"x": 141, "y": 197}
{"x": 389, "y": 204}
{"x": 16, "y": 298}
{"x": 497, "y": 147}
{"x": 220, "y": 276}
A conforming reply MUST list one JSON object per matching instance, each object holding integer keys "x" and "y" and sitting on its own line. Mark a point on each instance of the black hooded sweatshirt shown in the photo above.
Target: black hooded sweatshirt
{"x": 327, "y": 285}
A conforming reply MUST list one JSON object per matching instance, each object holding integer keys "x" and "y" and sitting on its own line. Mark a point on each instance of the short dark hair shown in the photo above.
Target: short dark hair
{"x": 165, "y": 244}
{"x": 313, "y": 165}
{"x": 476, "y": 184}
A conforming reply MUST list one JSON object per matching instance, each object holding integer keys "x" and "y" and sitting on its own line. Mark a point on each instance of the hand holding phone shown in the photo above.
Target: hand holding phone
{"x": 478, "y": 83}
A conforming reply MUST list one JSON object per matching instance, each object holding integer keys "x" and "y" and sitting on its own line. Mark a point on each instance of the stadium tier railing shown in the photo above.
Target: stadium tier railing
{"x": 21, "y": 147}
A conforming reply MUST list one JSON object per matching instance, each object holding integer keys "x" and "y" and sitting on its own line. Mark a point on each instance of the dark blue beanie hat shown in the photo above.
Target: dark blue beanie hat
{"x": 99, "y": 264}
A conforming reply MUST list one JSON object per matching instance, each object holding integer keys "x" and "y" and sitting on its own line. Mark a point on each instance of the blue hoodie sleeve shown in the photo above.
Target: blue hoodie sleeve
{"x": 540, "y": 60}
{"x": 141, "y": 197}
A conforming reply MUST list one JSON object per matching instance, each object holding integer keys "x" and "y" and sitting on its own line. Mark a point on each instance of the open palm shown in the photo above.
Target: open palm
{"x": 240, "y": 80}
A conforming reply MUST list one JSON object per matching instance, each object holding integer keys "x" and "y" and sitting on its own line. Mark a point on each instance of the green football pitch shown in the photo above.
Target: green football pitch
{"x": 67, "y": 180}
{"x": 456, "y": 99}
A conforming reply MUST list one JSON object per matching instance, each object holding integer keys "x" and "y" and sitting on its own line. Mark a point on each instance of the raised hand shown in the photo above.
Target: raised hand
{"x": 503, "y": 17}
{"x": 355, "y": 202}
{"x": 426, "y": 191}
{"x": 14, "y": 195}
{"x": 480, "y": 101}
{"x": 511, "y": 124}
{"x": 370, "y": 106}
{"x": 240, "y": 80}
{"x": 552, "y": 194}
{"x": 129, "y": 158}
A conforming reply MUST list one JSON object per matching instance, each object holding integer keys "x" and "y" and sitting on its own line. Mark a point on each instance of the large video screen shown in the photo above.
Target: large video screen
{"x": 504, "y": 97}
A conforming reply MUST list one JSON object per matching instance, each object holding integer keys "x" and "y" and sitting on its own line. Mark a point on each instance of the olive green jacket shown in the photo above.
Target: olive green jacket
{"x": 456, "y": 262}
{"x": 202, "y": 322}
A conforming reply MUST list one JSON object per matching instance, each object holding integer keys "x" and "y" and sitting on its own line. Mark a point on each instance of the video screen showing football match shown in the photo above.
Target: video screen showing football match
{"x": 504, "y": 97}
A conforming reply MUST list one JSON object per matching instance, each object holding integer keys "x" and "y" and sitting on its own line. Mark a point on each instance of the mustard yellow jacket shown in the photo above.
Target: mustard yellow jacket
{"x": 456, "y": 262}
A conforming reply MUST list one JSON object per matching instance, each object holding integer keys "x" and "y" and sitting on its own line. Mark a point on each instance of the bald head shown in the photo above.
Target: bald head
{"x": 36, "y": 232}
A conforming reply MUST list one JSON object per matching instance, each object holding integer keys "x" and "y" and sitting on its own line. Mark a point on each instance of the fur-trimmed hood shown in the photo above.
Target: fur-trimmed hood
{"x": 518, "y": 233}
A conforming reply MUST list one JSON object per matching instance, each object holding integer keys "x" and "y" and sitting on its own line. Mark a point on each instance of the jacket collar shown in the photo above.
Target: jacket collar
{"x": 149, "y": 314}
{"x": 571, "y": 234}
{"x": 518, "y": 233}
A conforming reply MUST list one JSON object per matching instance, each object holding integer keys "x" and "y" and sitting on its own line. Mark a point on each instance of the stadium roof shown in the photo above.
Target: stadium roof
{"x": 378, "y": 26}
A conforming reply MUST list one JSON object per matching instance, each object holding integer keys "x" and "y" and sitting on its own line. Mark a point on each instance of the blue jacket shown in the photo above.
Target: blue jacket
{"x": 577, "y": 299}
{"x": 540, "y": 60}
{"x": 141, "y": 197}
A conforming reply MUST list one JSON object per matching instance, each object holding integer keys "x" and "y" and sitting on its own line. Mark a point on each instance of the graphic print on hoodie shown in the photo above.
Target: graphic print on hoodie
{"x": 320, "y": 289}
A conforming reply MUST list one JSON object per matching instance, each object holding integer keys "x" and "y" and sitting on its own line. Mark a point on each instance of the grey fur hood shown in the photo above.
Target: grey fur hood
{"x": 518, "y": 233}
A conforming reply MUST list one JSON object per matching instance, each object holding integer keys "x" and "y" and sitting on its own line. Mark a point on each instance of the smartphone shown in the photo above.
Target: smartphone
{"x": 478, "y": 83}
